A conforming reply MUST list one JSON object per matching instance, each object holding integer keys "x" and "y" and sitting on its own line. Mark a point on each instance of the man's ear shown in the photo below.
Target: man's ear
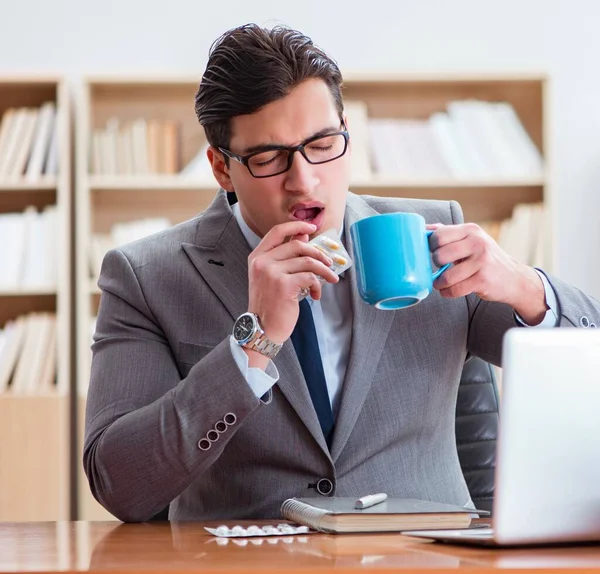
{"x": 219, "y": 168}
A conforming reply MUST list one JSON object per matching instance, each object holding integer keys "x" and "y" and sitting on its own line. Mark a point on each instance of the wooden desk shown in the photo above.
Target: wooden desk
{"x": 98, "y": 546}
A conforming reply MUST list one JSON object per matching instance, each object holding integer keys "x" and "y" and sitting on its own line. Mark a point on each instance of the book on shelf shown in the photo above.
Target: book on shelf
{"x": 28, "y": 354}
{"x": 470, "y": 139}
{"x": 135, "y": 147}
{"x": 27, "y": 137}
{"x": 358, "y": 118}
{"x": 525, "y": 235}
{"x": 30, "y": 253}
{"x": 338, "y": 515}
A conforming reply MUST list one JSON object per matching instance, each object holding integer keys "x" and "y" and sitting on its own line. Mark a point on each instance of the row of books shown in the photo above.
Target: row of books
{"x": 139, "y": 147}
{"x": 525, "y": 236}
{"x": 28, "y": 354}
{"x": 470, "y": 139}
{"x": 28, "y": 142}
{"x": 120, "y": 234}
{"x": 29, "y": 249}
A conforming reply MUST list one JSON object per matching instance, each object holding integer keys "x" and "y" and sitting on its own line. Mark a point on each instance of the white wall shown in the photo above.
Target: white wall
{"x": 560, "y": 37}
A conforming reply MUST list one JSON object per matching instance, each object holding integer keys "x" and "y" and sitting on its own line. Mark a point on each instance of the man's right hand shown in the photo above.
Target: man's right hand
{"x": 278, "y": 271}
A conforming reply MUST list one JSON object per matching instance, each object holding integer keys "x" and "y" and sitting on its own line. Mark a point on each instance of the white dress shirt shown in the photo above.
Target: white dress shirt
{"x": 332, "y": 316}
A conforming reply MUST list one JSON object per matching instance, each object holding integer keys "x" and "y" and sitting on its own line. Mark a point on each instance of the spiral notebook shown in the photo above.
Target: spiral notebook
{"x": 338, "y": 515}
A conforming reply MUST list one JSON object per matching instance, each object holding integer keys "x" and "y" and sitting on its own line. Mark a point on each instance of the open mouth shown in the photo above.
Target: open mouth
{"x": 308, "y": 214}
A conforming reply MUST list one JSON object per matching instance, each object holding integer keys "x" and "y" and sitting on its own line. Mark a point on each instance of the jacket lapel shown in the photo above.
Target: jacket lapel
{"x": 220, "y": 254}
{"x": 370, "y": 327}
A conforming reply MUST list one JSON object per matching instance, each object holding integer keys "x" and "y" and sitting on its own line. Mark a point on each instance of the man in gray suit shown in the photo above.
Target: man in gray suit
{"x": 183, "y": 413}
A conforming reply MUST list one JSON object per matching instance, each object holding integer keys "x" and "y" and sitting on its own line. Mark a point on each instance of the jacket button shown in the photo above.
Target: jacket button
{"x": 204, "y": 444}
{"x": 584, "y": 322}
{"x": 229, "y": 419}
{"x": 324, "y": 486}
{"x": 221, "y": 427}
{"x": 212, "y": 435}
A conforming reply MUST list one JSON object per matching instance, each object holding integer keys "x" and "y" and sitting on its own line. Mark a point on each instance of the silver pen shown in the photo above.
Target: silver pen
{"x": 370, "y": 500}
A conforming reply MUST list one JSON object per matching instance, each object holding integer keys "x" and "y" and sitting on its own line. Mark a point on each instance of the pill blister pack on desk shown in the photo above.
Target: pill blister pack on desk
{"x": 267, "y": 530}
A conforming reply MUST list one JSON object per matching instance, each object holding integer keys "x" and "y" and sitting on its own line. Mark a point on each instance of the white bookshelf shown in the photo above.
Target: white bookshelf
{"x": 106, "y": 199}
{"x": 35, "y": 427}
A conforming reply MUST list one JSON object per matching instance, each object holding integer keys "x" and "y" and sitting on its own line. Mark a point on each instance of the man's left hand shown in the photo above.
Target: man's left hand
{"x": 480, "y": 266}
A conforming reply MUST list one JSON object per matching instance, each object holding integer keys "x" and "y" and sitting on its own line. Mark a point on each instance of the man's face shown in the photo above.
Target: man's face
{"x": 313, "y": 192}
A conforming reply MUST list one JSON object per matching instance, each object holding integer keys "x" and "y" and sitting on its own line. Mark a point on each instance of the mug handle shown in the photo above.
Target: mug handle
{"x": 429, "y": 233}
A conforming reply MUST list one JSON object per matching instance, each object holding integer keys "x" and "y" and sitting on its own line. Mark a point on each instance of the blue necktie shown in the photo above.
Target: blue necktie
{"x": 304, "y": 338}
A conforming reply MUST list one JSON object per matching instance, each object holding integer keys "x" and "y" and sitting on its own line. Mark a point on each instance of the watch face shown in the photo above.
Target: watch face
{"x": 244, "y": 327}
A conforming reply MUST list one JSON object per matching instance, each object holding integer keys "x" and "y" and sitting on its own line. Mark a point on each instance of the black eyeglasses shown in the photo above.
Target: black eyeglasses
{"x": 278, "y": 159}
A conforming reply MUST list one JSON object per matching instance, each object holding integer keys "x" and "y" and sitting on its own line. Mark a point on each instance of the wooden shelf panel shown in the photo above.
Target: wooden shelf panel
{"x": 20, "y": 303}
{"x": 46, "y": 183}
{"x": 28, "y": 293}
{"x": 26, "y": 92}
{"x": 175, "y": 182}
{"x": 392, "y": 183}
{"x": 18, "y": 200}
{"x": 149, "y": 182}
{"x": 34, "y": 473}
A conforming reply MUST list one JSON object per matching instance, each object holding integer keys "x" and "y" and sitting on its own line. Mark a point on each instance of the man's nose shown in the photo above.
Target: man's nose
{"x": 302, "y": 176}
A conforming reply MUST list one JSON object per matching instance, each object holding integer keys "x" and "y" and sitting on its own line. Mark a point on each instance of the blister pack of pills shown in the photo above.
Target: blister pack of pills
{"x": 268, "y": 530}
{"x": 330, "y": 244}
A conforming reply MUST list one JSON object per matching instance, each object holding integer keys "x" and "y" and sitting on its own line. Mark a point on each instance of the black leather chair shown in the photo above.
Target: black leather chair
{"x": 477, "y": 429}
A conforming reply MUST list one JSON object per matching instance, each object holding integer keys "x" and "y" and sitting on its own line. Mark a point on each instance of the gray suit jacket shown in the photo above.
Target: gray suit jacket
{"x": 163, "y": 376}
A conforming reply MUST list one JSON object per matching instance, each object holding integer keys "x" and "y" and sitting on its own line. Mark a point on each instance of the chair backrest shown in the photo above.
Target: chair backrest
{"x": 477, "y": 429}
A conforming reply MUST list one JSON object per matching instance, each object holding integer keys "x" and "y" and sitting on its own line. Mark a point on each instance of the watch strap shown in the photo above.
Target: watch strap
{"x": 264, "y": 346}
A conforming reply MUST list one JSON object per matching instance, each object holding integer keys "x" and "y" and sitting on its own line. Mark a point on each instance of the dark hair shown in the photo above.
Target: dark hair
{"x": 249, "y": 67}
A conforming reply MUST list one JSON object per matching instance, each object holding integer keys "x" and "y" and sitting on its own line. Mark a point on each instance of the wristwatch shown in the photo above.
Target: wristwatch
{"x": 248, "y": 333}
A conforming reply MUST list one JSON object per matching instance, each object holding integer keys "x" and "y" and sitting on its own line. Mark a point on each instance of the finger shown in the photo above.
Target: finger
{"x": 295, "y": 249}
{"x": 461, "y": 289}
{"x": 277, "y": 234}
{"x": 455, "y": 275}
{"x": 448, "y": 234}
{"x": 302, "y": 237}
{"x": 454, "y": 252}
{"x": 308, "y": 264}
{"x": 307, "y": 280}
{"x": 433, "y": 226}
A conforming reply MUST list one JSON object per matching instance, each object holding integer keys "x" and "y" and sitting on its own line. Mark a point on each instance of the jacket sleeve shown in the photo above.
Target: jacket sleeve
{"x": 144, "y": 423}
{"x": 489, "y": 321}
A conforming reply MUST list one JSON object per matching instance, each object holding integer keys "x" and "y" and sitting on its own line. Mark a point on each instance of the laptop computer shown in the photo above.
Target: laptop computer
{"x": 547, "y": 477}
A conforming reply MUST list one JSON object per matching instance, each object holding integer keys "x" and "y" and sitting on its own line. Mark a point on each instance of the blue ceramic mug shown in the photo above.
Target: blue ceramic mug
{"x": 392, "y": 259}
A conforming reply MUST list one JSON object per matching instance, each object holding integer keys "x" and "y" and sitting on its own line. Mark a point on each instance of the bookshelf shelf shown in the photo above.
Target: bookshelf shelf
{"x": 114, "y": 191}
{"x": 46, "y": 184}
{"x": 152, "y": 182}
{"x": 178, "y": 182}
{"x": 28, "y": 293}
{"x": 35, "y": 212}
{"x": 390, "y": 183}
